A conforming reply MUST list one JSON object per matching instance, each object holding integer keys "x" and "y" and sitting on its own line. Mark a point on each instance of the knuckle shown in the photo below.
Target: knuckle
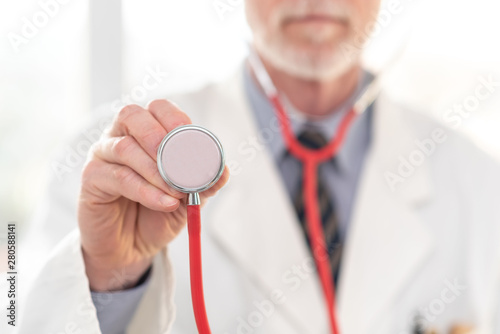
{"x": 143, "y": 191}
{"x": 182, "y": 116}
{"x": 159, "y": 104}
{"x": 94, "y": 147}
{"x": 89, "y": 170}
{"x": 163, "y": 106}
{"x": 122, "y": 146}
{"x": 153, "y": 138}
{"x": 122, "y": 174}
{"x": 127, "y": 111}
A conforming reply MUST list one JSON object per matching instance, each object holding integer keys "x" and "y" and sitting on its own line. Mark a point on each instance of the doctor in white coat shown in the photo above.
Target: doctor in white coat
{"x": 421, "y": 249}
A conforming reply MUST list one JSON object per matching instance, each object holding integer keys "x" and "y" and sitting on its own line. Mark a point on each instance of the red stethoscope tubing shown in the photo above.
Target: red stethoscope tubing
{"x": 195, "y": 269}
{"x": 311, "y": 160}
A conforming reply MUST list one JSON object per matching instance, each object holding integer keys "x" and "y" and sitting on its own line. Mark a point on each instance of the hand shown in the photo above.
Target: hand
{"x": 126, "y": 212}
{"x": 461, "y": 329}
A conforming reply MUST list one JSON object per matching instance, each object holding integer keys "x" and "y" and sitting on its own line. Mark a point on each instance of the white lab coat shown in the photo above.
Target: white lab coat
{"x": 430, "y": 246}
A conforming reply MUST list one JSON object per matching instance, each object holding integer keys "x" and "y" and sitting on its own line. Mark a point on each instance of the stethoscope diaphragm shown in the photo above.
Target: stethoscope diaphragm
{"x": 190, "y": 159}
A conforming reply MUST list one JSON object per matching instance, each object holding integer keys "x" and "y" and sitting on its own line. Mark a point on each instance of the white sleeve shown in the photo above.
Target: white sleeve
{"x": 60, "y": 301}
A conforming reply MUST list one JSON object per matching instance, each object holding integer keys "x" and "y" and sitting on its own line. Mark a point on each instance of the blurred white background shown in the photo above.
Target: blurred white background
{"x": 91, "y": 52}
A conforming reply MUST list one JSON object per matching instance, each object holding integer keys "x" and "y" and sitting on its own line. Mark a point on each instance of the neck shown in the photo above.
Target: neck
{"x": 315, "y": 98}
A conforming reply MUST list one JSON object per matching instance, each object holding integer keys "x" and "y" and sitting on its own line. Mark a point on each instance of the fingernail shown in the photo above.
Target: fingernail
{"x": 167, "y": 201}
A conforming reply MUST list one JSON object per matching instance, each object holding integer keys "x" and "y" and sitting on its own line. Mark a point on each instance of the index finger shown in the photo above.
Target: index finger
{"x": 137, "y": 122}
{"x": 168, "y": 114}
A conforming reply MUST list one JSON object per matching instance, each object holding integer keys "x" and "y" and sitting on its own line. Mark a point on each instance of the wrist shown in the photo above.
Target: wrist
{"x": 113, "y": 278}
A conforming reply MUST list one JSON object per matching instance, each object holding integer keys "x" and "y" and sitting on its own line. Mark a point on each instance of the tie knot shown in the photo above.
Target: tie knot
{"x": 312, "y": 139}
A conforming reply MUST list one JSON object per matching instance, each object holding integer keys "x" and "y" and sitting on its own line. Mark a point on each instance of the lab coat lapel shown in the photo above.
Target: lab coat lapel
{"x": 253, "y": 220}
{"x": 386, "y": 243}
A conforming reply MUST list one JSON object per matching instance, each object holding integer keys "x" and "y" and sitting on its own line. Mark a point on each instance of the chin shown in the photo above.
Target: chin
{"x": 311, "y": 62}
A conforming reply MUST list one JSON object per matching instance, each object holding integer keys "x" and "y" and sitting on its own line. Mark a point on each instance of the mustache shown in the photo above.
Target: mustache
{"x": 289, "y": 10}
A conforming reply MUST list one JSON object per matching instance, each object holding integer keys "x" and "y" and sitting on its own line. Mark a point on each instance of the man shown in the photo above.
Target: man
{"x": 411, "y": 204}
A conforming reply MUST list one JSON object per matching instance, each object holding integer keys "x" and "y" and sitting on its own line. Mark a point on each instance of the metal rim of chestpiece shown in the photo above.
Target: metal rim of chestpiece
{"x": 184, "y": 189}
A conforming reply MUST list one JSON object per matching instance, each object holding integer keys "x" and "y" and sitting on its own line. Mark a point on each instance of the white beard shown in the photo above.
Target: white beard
{"x": 328, "y": 63}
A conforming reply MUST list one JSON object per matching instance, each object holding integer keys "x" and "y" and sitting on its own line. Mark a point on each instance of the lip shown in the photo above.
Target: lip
{"x": 315, "y": 19}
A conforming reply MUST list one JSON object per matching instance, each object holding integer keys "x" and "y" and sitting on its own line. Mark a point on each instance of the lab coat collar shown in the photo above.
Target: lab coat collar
{"x": 254, "y": 222}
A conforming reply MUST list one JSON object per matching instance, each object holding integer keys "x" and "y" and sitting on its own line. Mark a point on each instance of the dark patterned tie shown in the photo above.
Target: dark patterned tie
{"x": 315, "y": 140}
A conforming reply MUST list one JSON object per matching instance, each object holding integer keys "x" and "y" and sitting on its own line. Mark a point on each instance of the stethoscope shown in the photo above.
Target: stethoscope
{"x": 191, "y": 159}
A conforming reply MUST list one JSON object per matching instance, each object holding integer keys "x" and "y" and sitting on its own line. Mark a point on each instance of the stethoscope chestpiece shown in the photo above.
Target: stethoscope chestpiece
{"x": 191, "y": 160}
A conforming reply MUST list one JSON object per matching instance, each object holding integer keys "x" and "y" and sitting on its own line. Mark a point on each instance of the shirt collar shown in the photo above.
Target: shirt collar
{"x": 356, "y": 141}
